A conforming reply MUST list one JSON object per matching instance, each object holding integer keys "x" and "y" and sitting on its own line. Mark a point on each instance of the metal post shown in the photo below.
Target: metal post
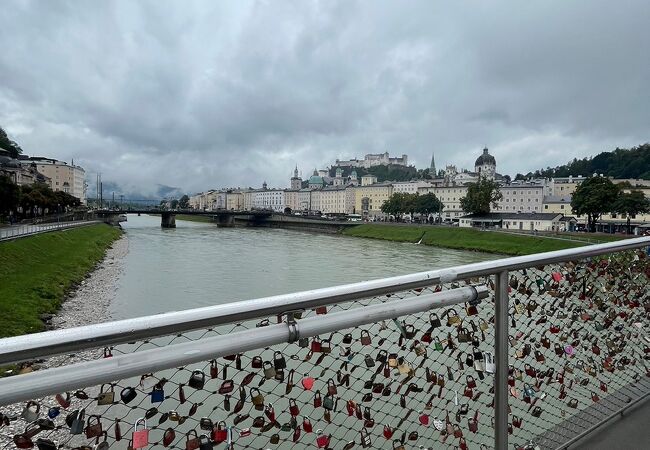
{"x": 501, "y": 358}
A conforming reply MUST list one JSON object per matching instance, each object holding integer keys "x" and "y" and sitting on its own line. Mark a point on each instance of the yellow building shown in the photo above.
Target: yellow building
{"x": 292, "y": 199}
{"x": 63, "y": 176}
{"x": 335, "y": 199}
{"x": 557, "y": 204}
{"x": 369, "y": 199}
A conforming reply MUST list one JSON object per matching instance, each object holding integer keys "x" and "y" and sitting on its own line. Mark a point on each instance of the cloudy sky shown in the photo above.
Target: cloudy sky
{"x": 204, "y": 94}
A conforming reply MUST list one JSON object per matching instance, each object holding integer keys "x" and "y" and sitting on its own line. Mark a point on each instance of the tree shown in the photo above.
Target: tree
{"x": 428, "y": 203}
{"x": 184, "y": 202}
{"x": 481, "y": 196}
{"x": 631, "y": 203}
{"x": 594, "y": 197}
{"x": 9, "y": 145}
{"x": 9, "y": 195}
{"x": 173, "y": 204}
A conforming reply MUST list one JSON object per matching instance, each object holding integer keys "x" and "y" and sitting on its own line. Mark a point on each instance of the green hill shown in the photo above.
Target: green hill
{"x": 621, "y": 163}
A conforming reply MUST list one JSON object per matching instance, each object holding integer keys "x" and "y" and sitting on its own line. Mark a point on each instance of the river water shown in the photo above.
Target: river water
{"x": 198, "y": 264}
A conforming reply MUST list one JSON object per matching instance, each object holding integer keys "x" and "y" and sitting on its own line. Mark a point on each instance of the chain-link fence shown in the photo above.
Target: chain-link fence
{"x": 409, "y": 369}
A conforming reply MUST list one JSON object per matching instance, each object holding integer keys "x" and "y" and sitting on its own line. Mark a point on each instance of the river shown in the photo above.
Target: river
{"x": 198, "y": 264}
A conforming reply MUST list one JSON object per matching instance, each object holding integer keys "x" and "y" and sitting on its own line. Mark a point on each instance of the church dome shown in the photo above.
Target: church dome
{"x": 485, "y": 158}
{"x": 315, "y": 179}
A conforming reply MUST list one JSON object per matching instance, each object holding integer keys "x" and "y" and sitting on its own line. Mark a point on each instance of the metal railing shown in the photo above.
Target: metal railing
{"x": 19, "y": 231}
{"x": 526, "y": 350}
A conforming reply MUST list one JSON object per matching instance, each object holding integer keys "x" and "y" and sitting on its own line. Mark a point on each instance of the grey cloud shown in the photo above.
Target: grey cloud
{"x": 207, "y": 94}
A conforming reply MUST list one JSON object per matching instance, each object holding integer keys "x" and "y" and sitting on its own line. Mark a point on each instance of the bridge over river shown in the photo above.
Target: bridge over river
{"x": 230, "y": 218}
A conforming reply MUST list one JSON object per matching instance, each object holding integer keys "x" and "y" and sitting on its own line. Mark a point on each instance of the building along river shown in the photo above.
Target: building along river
{"x": 198, "y": 264}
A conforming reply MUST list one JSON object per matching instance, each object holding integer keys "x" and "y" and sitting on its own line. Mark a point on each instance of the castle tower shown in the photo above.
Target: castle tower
{"x": 296, "y": 181}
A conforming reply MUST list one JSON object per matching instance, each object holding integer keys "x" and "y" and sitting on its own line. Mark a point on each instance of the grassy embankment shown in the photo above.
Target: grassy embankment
{"x": 462, "y": 238}
{"x": 37, "y": 271}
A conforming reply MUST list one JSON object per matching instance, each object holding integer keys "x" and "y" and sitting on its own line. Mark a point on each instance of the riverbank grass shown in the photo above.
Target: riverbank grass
{"x": 37, "y": 271}
{"x": 462, "y": 238}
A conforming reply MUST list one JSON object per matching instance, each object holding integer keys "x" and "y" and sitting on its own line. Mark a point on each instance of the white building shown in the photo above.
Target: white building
{"x": 524, "y": 198}
{"x": 409, "y": 187}
{"x": 269, "y": 199}
{"x": 515, "y": 221}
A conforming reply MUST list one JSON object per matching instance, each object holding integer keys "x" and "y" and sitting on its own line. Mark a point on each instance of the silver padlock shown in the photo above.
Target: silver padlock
{"x": 30, "y": 413}
{"x": 488, "y": 362}
{"x": 269, "y": 370}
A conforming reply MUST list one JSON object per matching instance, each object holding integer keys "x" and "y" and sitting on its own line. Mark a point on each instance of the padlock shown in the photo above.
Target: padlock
{"x": 106, "y": 398}
{"x": 452, "y": 317}
{"x": 293, "y": 408}
{"x": 93, "y": 429}
{"x": 328, "y": 402}
{"x": 331, "y": 387}
{"x": 256, "y": 397}
{"x": 78, "y": 423}
{"x": 220, "y": 432}
{"x": 306, "y": 425}
{"x": 365, "y": 438}
{"x": 434, "y": 320}
{"x": 278, "y": 361}
{"x": 471, "y": 309}
{"x": 322, "y": 440}
{"x": 269, "y": 370}
{"x": 397, "y": 445}
{"x": 403, "y": 366}
{"x": 318, "y": 401}
{"x": 128, "y": 394}
{"x": 214, "y": 370}
{"x": 365, "y": 337}
{"x": 437, "y": 344}
{"x": 63, "y": 401}
{"x": 490, "y": 365}
{"x": 157, "y": 394}
{"x": 197, "y": 380}
{"x": 370, "y": 362}
{"x": 392, "y": 360}
{"x": 192, "y": 441}
{"x": 256, "y": 362}
{"x": 31, "y": 411}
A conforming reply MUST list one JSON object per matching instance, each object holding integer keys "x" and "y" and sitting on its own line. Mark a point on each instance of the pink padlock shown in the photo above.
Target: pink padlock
{"x": 140, "y": 437}
{"x": 323, "y": 440}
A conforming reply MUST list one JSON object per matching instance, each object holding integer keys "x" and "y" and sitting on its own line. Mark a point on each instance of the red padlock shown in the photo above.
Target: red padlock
{"x": 306, "y": 425}
{"x": 322, "y": 440}
{"x": 424, "y": 419}
{"x": 293, "y": 408}
{"x": 220, "y": 433}
{"x": 388, "y": 432}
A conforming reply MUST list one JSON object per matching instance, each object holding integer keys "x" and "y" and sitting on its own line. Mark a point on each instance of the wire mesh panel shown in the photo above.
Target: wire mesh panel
{"x": 579, "y": 350}
{"x": 579, "y": 345}
{"x": 419, "y": 380}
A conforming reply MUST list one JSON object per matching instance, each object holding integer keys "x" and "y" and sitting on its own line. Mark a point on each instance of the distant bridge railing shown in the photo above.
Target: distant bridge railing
{"x": 530, "y": 351}
{"x": 19, "y": 231}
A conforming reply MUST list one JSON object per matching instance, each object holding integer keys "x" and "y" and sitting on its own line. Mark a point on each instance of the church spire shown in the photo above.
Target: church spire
{"x": 432, "y": 168}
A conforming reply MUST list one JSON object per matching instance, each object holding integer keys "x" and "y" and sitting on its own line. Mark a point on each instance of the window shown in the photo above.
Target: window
{"x": 545, "y": 206}
{"x": 561, "y": 206}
